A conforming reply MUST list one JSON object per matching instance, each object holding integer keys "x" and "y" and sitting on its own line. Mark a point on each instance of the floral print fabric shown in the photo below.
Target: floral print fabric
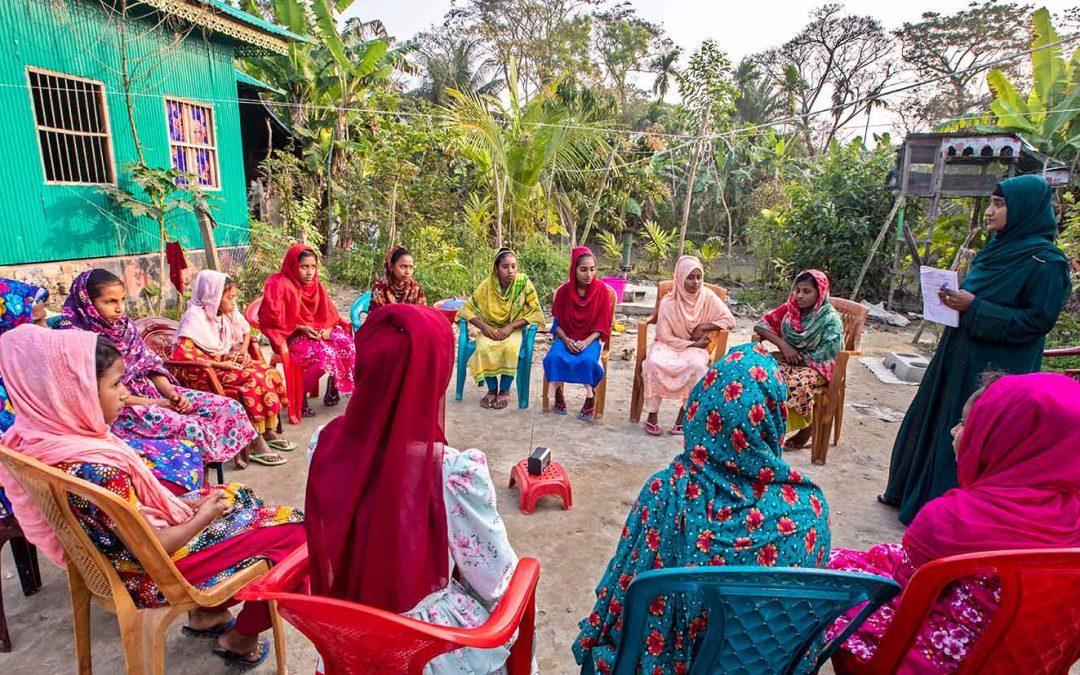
{"x": 217, "y": 425}
{"x": 727, "y": 499}
{"x": 249, "y": 513}
{"x": 258, "y": 387}
{"x": 335, "y": 356}
{"x": 957, "y": 619}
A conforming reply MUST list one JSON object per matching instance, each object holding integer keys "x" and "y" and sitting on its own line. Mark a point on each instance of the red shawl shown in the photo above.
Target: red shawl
{"x": 375, "y": 517}
{"x": 578, "y": 316}
{"x": 287, "y": 304}
{"x": 1018, "y": 474}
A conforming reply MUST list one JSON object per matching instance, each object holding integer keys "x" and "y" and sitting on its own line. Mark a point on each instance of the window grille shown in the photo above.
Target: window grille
{"x": 72, "y": 128}
{"x": 193, "y": 141}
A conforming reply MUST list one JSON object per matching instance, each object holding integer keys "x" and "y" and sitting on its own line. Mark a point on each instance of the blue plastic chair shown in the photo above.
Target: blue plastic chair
{"x": 54, "y": 321}
{"x": 359, "y": 311}
{"x": 760, "y": 620}
{"x": 465, "y": 350}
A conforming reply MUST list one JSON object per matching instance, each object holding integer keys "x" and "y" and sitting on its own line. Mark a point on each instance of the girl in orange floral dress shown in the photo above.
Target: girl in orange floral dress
{"x": 213, "y": 331}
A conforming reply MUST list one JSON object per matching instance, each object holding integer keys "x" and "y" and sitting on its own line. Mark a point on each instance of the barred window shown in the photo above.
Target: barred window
{"x": 72, "y": 128}
{"x": 193, "y": 141}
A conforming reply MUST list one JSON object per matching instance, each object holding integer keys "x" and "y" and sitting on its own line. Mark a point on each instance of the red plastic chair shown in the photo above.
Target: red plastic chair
{"x": 1035, "y": 631}
{"x": 294, "y": 374}
{"x": 356, "y": 639}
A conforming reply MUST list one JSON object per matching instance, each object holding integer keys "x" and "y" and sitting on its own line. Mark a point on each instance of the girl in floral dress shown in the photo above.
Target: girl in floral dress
{"x": 1016, "y": 447}
{"x": 67, "y": 387}
{"x": 212, "y": 331}
{"x": 810, "y": 334}
{"x": 297, "y": 315}
{"x": 396, "y": 518}
{"x": 727, "y": 499}
{"x": 157, "y": 408}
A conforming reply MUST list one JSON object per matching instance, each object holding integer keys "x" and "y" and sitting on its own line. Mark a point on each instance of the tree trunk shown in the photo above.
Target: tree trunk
{"x": 730, "y": 229}
{"x": 689, "y": 197}
{"x": 599, "y": 193}
{"x": 393, "y": 214}
{"x": 498, "y": 208}
{"x": 162, "y": 277}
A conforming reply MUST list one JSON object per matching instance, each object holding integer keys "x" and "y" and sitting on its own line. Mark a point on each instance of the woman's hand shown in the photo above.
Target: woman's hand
{"x": 958, "y": 300}
{"x": 790, "y": 355}
{"x": 500, "y": 334}
{"x": 215, "y": 505}
{"x": 175, "y": 401}
{"x": 702, "y": 343}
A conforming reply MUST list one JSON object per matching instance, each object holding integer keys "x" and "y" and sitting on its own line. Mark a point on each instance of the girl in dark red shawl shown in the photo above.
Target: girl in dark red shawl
{"x": 1016, "y": 459}
{"x": 391, "y": 509}
{"x": 583, "y": 309}
{"x": 297, "y": 315}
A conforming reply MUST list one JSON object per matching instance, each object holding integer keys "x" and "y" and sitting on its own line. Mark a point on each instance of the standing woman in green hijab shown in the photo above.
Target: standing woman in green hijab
{"x": 1009, "y": 301}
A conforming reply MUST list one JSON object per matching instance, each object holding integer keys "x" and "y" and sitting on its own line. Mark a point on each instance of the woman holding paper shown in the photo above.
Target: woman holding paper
{"x": 1011, "y": 298}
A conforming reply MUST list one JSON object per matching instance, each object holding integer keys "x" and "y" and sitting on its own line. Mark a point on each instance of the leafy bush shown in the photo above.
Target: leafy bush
{"x": 547, "y": 265}
{"x": 659, "y": 245}
{"x": 1065, "y": 334}
{"x": 835, "y": 216}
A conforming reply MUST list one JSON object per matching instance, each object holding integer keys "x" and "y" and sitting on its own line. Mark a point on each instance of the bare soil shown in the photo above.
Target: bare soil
{"x": 608, "y": 461}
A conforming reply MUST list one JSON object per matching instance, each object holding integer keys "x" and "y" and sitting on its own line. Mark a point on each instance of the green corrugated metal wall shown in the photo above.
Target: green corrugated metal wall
{"x": 40, "y": 222}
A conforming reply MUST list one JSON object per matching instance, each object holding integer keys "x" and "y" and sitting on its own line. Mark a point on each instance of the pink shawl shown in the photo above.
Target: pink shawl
{"x": 681, "y": 312}
{"x": 52, "y": 383}
{"x": 1018, "y": 473}
{"x": 215, "y": 334}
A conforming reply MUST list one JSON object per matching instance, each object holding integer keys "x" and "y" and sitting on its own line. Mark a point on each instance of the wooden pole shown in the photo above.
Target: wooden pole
{"x": 897, "y": 205}
{"x": 206, "y": 226}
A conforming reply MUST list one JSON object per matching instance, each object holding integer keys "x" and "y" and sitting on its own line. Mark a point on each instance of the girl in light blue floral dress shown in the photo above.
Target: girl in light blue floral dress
{"x": 727, "y": 499}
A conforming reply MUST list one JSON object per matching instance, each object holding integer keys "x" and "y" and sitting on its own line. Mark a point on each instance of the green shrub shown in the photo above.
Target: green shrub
{"x": 1065, "y": 334}
{"x": 547, "y": 265}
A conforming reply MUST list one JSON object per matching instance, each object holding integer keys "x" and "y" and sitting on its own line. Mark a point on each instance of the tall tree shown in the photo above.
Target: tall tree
{"x": 952, "y": 47}
{"x": 622, "y": 42}
{"x": 837, "y": 63}
{"x": 449, "y": 62}
{"x": 664, "y": 64}
{"x": 759, "y": 99}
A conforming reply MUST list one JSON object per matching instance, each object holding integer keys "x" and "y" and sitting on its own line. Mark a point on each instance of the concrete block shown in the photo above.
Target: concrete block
{"x": 908, "y": 367}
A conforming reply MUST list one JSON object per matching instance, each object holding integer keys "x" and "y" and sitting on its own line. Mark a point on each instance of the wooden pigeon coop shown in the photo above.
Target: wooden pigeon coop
{"x": 952, "y": 166}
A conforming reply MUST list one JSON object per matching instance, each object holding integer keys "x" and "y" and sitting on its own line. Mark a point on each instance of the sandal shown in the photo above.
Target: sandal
{"x": 281, "y": 445}
{"x": 653, "y": 429}
{"x": 213, "y": 632}
{"x": 244, "y": 661}
{"x": 267, "y": 458}
{"x": 307, "y": 411}
{"x": 331, "y": 398}
{"x": 560, "y": 403}
{"x": 882, "y": 499}
{"x": 676, "y": 430}
{"x": 488, "y": 401}
{"x": 588, "y": 411}
{"x": 502, "y": 399}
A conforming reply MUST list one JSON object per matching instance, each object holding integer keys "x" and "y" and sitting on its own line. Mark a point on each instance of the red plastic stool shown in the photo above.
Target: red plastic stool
{"x": 553, "y": 481}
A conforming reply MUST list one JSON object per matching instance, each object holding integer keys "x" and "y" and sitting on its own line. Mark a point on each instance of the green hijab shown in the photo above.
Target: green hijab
{"x": 1029, "y": 234}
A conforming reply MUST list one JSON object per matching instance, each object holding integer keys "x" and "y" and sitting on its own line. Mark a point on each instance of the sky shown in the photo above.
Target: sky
{"x": 741, "y": 27}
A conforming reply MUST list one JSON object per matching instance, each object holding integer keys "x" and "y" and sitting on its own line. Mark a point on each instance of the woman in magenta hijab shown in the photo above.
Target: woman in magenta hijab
{"x": 1016, "y": 455}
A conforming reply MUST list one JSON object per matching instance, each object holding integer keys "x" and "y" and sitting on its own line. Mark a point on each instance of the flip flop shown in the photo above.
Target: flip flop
{"x": 676, "y": 430}
{"x": 261, "y": 458}
{"x": 588, "y": 412}
{"x": 560, "y": 407}
{"x": 501, "y": 401}
{"x": 653, "y": 429}
{"x": 216, "y": 631}
{"x": 243, "y": 661}
{"x": 281, "y": 445}
{"x": 307, "y": 411}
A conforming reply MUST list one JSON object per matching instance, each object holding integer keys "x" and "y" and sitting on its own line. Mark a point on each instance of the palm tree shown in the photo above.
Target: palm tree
{"x": 758, "y": 99}
{"x": 663, "y": 64}
{"x": 458, "y": 64}
{"x": 524, "y": 146}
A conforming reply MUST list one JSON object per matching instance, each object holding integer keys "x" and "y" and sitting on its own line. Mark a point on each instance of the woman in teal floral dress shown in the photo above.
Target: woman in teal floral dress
{"x": 727, "y": 499}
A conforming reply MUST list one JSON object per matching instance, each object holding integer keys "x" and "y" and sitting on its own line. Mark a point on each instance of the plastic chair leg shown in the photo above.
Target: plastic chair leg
{"x": 838, "y": 418}
{"x": 80, "y": 619}
{"x": 5, "y": 638}
{"x": 26, "y": 563}
{"x": 219, "y": 468}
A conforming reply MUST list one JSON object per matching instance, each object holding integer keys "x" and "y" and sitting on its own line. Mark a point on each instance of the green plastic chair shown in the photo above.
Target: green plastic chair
{"x": 465, "y": 350}
{"x": 761, "y": 620}
{"x": 359, "y": 311}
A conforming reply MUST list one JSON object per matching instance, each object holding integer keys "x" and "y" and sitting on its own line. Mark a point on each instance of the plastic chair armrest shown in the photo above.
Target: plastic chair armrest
{"x": 285, "y": 576}
{"x": 206, "y": 368}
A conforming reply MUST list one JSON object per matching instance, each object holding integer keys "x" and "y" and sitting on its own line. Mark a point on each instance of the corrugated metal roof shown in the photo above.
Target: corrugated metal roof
{"x": 244, "y": 78}
{"x": 252, "y": 20}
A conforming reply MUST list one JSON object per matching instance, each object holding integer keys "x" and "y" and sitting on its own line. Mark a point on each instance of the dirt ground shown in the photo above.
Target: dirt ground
{"x": 608, "y": 461}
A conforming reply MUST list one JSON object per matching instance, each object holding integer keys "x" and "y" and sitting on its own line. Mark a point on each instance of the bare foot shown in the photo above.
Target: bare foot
{"x": 205, "y": 619}
{"x": 799, "y": 441}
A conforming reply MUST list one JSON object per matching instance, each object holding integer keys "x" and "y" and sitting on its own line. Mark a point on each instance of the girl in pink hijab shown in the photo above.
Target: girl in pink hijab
{"x": 214, "y": 332}
{"x": 67, "y": 388}
{"x": 679, "y": 355}
{"x": 1016, "y": 456}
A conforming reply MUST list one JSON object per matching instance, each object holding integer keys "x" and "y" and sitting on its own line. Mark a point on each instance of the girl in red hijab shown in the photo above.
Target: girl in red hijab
{"x": 1016, "y": 459}
{"x": 298, "y": 316}
{"x": 392, "y": 510}
{"x": 583, "y": 309}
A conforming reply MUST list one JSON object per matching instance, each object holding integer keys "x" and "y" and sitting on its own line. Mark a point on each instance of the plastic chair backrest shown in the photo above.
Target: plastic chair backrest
{"x": 54, "y": 321}
{"x": 49, "y": 488}
{"x": 252, "y": 312}
{"x": 360, "y": 307}
{"x": 1035, "y": 630}
{"x": 158, "y": 333}
{"x": 760, "y": 620}
{"x": 353, "y": 638}
{"x": 854, "y": 316}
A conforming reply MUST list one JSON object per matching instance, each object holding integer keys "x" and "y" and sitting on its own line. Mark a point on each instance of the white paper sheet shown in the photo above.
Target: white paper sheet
{"x": 932, "y": 281}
